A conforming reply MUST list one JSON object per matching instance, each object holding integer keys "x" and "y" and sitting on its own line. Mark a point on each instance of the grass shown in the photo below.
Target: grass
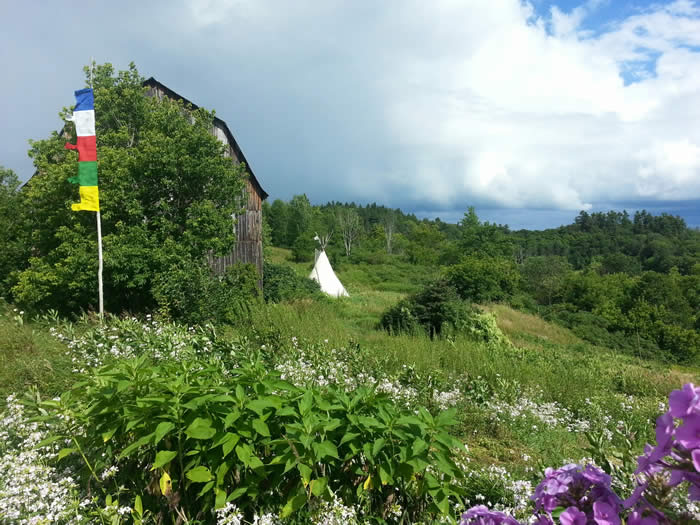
{"x": 364, "y": 278}
{"x": 528, "y": 330}
{"x": 30, "y": 356}
{"x": 546, "y": 362}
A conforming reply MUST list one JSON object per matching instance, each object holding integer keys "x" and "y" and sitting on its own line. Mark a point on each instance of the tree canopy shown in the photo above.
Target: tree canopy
{"x": 167, "y": 191}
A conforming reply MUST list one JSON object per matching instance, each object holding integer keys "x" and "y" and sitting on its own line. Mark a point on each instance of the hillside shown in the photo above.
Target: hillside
{"x": 517, "y": 407}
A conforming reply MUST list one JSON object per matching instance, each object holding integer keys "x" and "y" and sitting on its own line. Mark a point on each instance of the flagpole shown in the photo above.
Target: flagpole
{"x": 100, "y": 287}
{"x": 99, "y": 268}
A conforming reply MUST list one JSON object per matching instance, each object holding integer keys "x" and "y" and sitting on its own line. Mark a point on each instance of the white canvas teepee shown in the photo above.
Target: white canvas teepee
{"x": 325, "y": 276}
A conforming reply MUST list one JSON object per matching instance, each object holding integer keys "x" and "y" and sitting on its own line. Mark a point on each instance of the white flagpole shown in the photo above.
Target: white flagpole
{"x": 100, "y": 288}
{"x": 99, "y": 268}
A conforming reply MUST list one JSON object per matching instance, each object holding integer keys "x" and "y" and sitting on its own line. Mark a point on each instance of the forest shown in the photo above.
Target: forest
{"x": 626, "y": 282}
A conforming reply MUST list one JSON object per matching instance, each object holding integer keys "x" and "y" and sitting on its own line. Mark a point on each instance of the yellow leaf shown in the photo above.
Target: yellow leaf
{"x": 368, "y": 483}
{"x": 166, "y": 485}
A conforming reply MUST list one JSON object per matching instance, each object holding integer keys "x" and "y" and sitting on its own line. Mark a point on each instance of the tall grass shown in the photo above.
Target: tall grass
{"x": 30, "y": 357}
{"x": 555, "y": 361}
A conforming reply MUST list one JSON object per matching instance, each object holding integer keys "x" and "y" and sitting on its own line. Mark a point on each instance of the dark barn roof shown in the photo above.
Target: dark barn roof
{"x": 152, "y": 82}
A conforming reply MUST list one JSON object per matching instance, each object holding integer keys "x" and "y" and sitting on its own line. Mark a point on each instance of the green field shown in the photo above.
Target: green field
{"x": 544, "y": 399}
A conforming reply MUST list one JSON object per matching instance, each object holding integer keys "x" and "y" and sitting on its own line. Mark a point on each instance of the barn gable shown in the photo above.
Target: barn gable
{"x": 248, "y": 248}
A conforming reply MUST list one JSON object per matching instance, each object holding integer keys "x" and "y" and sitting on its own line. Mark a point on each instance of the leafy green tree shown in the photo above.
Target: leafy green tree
{"x": 167, "y": 192}
{"x": 277, "y": 214}
{"x": 483, "y": 238}
{"x": 481, "y": 279}
{"x": 424, "y": 241}
{"x": 13, "y": 237}
{"x": 544, "y": 277}
{"x": 620, "y": 263}
{"x": 299, "y": 215}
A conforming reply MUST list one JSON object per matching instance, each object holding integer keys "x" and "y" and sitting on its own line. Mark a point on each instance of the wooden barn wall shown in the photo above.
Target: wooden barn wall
{"x": 248, "y": 248}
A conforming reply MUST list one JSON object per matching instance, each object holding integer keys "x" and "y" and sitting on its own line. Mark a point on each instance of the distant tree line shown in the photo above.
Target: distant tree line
{"x": 627, "y": 282}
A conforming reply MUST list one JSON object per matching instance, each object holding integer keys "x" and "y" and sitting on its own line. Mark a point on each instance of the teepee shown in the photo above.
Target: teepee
{"x": 324, "y": 275}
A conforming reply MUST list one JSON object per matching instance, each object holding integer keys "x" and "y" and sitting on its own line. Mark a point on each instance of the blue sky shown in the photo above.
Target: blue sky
{"x": 528, "y": 110}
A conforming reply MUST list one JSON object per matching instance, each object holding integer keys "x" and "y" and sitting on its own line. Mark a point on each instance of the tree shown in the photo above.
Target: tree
{"x": 167, "y": 189}
{"x": 425, "y": 239}
{"x": 348, "y": 222}
{"x": 13, "y": 240}
{"x": 298, "y": 218}
{"x": 481, "y": 279}
{"x": 483, "y": 238}
{"x": 277, "y": 214}
{"x": 389, "y": 225}
{"x": 544, "y": 276}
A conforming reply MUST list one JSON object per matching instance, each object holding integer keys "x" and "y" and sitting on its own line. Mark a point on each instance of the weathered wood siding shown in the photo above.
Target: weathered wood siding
{"x": 248, "y": 225}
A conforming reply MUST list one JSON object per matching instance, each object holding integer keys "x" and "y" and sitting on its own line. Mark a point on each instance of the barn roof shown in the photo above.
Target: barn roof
{"x": 152, "y": 82}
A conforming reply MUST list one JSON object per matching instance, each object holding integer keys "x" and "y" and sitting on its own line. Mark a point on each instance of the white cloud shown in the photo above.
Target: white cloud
{"x": 489, "y": 103}
{"x": 437, "y": 104}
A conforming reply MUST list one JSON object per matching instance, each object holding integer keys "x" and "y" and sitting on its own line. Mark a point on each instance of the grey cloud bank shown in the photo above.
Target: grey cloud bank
{"x": 430, "y": 107}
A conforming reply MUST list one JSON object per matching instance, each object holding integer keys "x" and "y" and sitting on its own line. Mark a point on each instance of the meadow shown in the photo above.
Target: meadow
{"x": 493, "y": 415}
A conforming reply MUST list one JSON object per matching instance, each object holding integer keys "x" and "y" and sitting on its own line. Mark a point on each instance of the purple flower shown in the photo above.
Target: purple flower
{"x": 573, "y": 516}
{"x": 605, "y": 514}
{"x": 596, "y": 476}
{"x": 543, "y": 519}
{"x": 576, "y": 488}
{"x": 636, "y": 518}
{"x": 685, "y": 402}
{"x": 694, "y": 492}
{"x": 481, "y": 515}
{"x": 695, "y": 454}
{"x": 636, "y": 496}
{"x": 645, "y": 463}
{"x": 688, "y": 434}
{"x": 664, "y": 444}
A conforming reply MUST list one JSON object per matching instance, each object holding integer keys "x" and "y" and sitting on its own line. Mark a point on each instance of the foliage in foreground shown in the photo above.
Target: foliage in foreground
{"x": 576, "y": 495}
{"x": 502, "y": 414}
{"x": 181, "y": 423}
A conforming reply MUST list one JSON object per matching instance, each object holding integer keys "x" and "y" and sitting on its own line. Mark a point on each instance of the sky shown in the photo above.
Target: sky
{"x": 528, "y": 110}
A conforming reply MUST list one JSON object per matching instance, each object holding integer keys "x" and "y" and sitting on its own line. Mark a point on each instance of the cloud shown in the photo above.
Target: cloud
{"x": 426, "y": 105}
{"x": 488, "y": 102}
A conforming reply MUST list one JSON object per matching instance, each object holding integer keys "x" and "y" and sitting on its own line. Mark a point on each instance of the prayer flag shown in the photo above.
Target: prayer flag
{"x": 86, "y": 144}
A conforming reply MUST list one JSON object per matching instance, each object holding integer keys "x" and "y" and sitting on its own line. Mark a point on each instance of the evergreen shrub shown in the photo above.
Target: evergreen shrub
{"x": 438, "y": 310}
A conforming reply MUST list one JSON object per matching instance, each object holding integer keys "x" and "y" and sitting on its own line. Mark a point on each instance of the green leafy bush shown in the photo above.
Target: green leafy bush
{"x": 400, "y": 319}
{"x": 435, "y": 307}
{"x": 187, "y": 437}
{"x": 189, "y": 291}
{"x": 281, "y": 283}
{"x": 439, "y": 311}
{"x": 482, "y": 326}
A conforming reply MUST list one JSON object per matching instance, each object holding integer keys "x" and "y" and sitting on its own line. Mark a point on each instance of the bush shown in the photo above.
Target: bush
{"x": 281, "y": 283}
{"x": 188, "y": 437}
{"x": 400, "y": 319}
{"x": 434, "y": 307}
{"x": 595, "y": 329}
{"x": 483, "y": 327}
{"x": 438, "y": 311}
{"x": 191, "y": 293}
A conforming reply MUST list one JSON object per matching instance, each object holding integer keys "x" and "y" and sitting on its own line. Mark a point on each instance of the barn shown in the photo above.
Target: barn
{"x": 248, "y": 248}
